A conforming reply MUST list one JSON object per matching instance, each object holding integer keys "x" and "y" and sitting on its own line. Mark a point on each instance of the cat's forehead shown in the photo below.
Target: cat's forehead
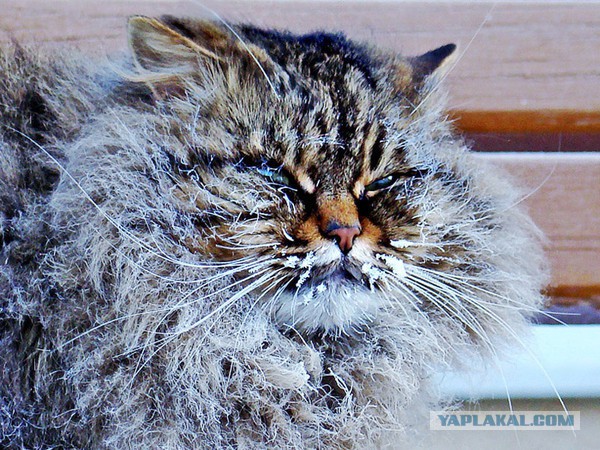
{"x": 333, "y": 120}
{"x": 331, "y": 147}
{"x": 326, "y": 137}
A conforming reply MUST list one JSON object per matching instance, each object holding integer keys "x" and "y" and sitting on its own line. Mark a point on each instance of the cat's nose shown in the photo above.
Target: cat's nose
{"x": 344, "y": 235}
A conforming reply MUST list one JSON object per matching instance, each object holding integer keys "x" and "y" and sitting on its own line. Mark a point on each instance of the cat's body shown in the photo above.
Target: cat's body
{"x": 270, "y": 246}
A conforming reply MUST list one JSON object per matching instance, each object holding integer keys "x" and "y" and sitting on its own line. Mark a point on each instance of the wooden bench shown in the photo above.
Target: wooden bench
{"x": 525, "y": 90}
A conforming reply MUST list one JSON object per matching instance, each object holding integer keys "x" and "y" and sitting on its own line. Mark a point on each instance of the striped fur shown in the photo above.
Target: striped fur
{"x": 253, "y": 239}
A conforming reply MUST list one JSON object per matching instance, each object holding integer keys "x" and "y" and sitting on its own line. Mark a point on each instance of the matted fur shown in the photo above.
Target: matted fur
{"x": 161, "y": 288}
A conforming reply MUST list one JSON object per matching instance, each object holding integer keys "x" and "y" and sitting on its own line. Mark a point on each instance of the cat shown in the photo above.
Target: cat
{"x": 244, "y": 238}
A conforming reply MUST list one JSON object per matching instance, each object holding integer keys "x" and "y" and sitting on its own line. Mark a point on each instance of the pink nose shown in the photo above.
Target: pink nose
{"x": 343, "y": 235}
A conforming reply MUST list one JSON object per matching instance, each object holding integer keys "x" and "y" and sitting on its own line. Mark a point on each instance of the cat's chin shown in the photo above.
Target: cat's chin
{"x": 338, "y": 305}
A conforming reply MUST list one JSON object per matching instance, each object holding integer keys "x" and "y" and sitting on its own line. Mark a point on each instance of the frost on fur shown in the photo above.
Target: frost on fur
{"x": 255, "y": 240}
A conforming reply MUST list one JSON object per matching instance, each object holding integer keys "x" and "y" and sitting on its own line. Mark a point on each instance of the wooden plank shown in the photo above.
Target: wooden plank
{"x": 538, "y": 121}
{"x": 534, "y": 142}
{"x": 564, "y": 201}
{"x": 518, "y": 57}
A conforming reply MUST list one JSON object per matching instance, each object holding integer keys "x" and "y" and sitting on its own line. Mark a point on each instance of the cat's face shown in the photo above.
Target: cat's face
{"x": 303, "y": 155}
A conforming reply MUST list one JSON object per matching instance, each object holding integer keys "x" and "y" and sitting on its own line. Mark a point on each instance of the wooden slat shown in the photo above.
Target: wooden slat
{"x": 538, "y": 121}
{"x": 534, "y": 142}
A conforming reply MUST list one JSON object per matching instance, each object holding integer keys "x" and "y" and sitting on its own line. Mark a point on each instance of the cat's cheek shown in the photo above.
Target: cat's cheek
{"x": 371, "y": 234}
{"x": 308, "y": 232}
{"x": 363, "y": 252}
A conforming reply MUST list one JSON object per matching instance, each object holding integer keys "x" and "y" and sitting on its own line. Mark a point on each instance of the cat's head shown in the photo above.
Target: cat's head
{"x": 322, "y": 161}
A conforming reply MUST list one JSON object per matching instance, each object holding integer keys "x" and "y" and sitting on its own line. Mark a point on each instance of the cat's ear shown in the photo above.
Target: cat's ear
{"x": 164, "y": 55}
{"x": 434, "y": 61}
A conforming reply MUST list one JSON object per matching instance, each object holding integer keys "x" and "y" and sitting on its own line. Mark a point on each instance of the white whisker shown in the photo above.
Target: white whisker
{"x": 442, "y": 287}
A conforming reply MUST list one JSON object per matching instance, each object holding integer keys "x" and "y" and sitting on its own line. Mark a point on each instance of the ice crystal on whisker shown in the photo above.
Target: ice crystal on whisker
{"x": 291, "y": 262}
{"x": 401, "y": 243}
{"x": 394, "y": 263}
{"x": 373, "y": 274}
{"x": 307, "y": 263}
{"x": 307, "y": 297}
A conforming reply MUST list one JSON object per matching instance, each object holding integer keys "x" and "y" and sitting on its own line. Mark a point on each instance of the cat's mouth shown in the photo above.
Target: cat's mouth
{"x": 328, "y": 293}
{"x": 334, "y": 298}
{"x": 345, "y": 271}
{"x": 324, "y": 265}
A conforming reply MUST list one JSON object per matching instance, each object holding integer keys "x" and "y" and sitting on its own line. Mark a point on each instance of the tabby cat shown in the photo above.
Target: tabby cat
{"x": 243, "y": 238}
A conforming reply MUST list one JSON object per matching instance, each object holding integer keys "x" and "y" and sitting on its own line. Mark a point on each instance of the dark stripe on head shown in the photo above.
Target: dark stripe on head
{"x": 345, "y": 129}
{"x": 378, "y": 146}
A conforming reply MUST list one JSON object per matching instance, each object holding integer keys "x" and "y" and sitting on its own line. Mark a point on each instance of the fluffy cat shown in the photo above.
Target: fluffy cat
{"x": 247, "y": 239}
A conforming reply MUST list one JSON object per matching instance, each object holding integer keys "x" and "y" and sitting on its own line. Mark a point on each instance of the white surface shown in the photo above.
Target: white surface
{"x": 568, "y": 357}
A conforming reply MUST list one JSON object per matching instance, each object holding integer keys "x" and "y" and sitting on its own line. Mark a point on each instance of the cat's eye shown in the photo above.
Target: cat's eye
{"x": 276, "y": 175}
{"x": 388, "y": 181}
{"x": 381, "y": 183}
